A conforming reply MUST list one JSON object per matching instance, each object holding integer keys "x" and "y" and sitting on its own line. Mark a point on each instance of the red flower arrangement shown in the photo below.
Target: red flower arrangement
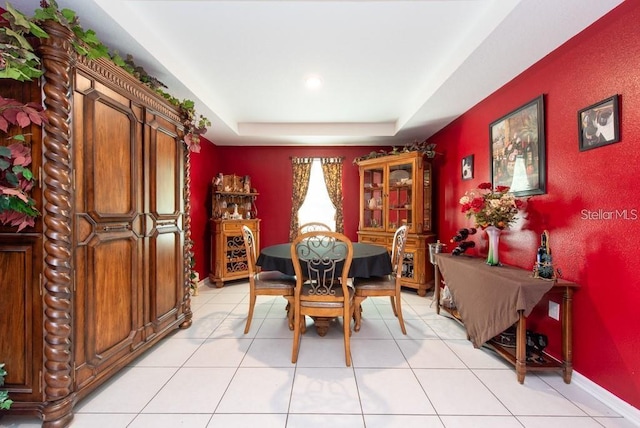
{"x": 491, "y": 207}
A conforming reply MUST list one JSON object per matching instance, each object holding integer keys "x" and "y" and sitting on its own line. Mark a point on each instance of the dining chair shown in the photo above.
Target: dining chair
{"x": 321, "y": 261}
{"x": 312, "y": 227}
{"x": 265, "y": 283}
{"x": 388, "y": 285}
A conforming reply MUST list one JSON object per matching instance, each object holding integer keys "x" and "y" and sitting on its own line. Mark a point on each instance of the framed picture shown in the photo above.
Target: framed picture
{"x": 517, "y": 148}
{"x": 467, "y": 167}
{"x": 599, "y": 124}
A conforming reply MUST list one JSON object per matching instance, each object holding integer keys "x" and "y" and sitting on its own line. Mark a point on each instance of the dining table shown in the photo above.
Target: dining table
{"x": 368, "y": 261}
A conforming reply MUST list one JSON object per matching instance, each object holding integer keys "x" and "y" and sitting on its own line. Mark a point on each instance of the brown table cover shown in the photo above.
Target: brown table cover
{"x": 488, "y": 298}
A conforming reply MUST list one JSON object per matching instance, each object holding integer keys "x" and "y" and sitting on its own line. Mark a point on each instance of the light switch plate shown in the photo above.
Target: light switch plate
{"x": 554, "y": 310}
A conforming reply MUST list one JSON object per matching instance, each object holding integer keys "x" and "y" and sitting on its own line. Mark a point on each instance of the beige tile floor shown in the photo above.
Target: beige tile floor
{"x": 212, "y": 375}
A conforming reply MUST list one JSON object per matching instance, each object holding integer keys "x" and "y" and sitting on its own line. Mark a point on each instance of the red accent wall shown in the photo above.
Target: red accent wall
{"x": 599, "y": 253}
{"x": 204, "y": 166}
{"x": 270, "y": 171}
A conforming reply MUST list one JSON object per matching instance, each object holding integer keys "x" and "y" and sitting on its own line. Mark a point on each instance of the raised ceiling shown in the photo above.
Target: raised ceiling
{"x": 392, "y": 72}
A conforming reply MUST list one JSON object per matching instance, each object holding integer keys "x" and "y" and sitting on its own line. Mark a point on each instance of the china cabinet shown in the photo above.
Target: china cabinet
{"x": 233, "y": 207}
{"x": 103, "y": 274}
{"x": 397, "y": 190}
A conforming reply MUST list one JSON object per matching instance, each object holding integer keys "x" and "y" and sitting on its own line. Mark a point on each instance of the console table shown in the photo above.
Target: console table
{"x": 490, "y": 299}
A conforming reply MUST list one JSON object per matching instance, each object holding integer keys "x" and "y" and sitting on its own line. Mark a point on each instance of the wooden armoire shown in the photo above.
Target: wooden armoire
{"x": 104, "y": 274}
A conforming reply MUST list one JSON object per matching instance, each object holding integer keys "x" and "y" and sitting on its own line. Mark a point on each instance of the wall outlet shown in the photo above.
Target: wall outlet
{"x": 554, "y": 310}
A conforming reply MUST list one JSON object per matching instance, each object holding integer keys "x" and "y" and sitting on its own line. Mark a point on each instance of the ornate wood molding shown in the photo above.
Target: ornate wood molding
{"x": 130, "y": 86}
{"x": 57, "y": 57}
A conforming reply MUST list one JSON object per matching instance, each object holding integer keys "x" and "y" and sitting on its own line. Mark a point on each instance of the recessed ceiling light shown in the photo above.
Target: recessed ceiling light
{"x": 313, "y": 82}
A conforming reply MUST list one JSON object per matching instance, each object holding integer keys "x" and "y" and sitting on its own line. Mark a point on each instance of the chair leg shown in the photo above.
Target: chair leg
{"x": 290, "y": 312}
{"x": 398, "y": 310}
{"x": 296, "y": 337}
{"x": 393, "y": 305}
{"x": 252, "y": 303}
{"x": 357, "y": 311}
{"x": 347, "y": 334}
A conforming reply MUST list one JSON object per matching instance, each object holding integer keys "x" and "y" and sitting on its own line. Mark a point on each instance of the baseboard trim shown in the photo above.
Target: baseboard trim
{"x": 615, "y": 403}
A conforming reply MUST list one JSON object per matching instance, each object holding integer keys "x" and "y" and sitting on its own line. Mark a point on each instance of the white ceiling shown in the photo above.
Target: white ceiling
{"x": 393, "y": 72}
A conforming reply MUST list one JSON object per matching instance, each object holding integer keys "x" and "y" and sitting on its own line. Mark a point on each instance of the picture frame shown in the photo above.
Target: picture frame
{"x": 467, "y": 167}
{"x": 518, "y": 150}
{"x": 599, "y": 124}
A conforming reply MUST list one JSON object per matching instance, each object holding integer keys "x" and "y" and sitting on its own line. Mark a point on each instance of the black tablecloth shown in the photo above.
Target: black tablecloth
{"x": 368, "y": 260}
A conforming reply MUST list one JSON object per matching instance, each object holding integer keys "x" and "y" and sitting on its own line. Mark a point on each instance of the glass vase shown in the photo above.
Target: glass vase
{"x": 493, "y": 233}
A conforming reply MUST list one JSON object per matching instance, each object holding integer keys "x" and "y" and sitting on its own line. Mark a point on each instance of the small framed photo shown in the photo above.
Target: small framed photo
{"x": 599, "y": 124}
{"x": 467, "y": 167}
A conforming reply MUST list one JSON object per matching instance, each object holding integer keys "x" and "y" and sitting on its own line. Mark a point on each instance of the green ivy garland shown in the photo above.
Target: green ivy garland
{"x": 18, "y": 60}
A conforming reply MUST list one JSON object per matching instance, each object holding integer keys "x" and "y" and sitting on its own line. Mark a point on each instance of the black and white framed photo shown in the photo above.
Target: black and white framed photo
{"x": 467, "y": 167}
{"x": 599, "y": 124}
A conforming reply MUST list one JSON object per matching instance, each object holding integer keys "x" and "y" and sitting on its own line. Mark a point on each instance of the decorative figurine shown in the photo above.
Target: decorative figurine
{"x": 217, "y": 182}
{"x": 236, "y": 215}
{"x": 543, "y": 267}
{"x": 246, "y": 184}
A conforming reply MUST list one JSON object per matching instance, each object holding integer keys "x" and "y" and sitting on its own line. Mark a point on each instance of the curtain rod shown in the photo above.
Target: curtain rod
{"x": 309, "y": 159}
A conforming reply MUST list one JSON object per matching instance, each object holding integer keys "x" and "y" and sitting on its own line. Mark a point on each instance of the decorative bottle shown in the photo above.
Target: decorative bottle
{"x": 463, "y": 234}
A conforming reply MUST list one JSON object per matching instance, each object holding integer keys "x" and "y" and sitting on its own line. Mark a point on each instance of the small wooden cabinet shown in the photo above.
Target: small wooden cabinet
{"x": 228, "y": 255}
{"x": 233, "y": 207}
{"x": 396, "y": 190}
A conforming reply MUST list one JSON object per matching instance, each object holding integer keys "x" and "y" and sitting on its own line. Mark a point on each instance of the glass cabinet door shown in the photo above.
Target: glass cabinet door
{"x": 401, "y": 197}
{"x": 373, "y": 195}
{"x": 426, "y": 198}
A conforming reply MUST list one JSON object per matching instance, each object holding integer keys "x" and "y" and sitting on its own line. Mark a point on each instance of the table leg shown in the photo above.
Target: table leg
{"x": 521, "y": 347}
{"x": 322, "y": 325}
{"x": 436, "y": 291}
{"x": 567, "y": 335}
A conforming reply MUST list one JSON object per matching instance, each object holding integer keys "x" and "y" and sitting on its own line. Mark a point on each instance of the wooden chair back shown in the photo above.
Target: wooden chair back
{"x": 250, "y": 247}
{"x": 321, "y": 260}
{"x": 313, "y": 227}
{"x": 397, "y": 250}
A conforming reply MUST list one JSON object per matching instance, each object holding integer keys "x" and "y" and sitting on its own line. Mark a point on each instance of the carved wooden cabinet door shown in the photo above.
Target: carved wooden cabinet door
{"x": 109, "y": 228}
{"x": 20, "y": 287}
{"x": 164, "y": 205}
{"x": 21, "y": 315}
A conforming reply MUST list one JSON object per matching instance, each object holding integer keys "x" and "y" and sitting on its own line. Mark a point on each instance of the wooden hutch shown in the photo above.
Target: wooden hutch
{"x": 397, "y": 190}
{"x": 104, "y": 274}
{"x": 233, "y": 207}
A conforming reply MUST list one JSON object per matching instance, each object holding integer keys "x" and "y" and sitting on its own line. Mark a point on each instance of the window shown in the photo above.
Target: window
{"x": 317, "y": 206}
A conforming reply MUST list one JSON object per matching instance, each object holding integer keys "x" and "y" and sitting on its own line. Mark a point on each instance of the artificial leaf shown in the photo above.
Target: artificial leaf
{"x": 20, "y": 38}
{"x": 37, "y": 31}
{"x": 19, "y": 18}
{"x": 18, "y": 161}
{"x": 36, "y": 118}
{"x": 12, "y": 179}
{"x": 68, "y": 14}
{"x": 10, "y": 114}
{"x": 91, "y": 37}
{"x": 19, "y": 137}
{"x": 26, "y": 173}
{"x": 22, "y": 119}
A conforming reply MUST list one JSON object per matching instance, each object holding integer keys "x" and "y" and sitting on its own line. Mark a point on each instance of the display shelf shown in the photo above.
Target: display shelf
{"x": 234, "y": 206}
